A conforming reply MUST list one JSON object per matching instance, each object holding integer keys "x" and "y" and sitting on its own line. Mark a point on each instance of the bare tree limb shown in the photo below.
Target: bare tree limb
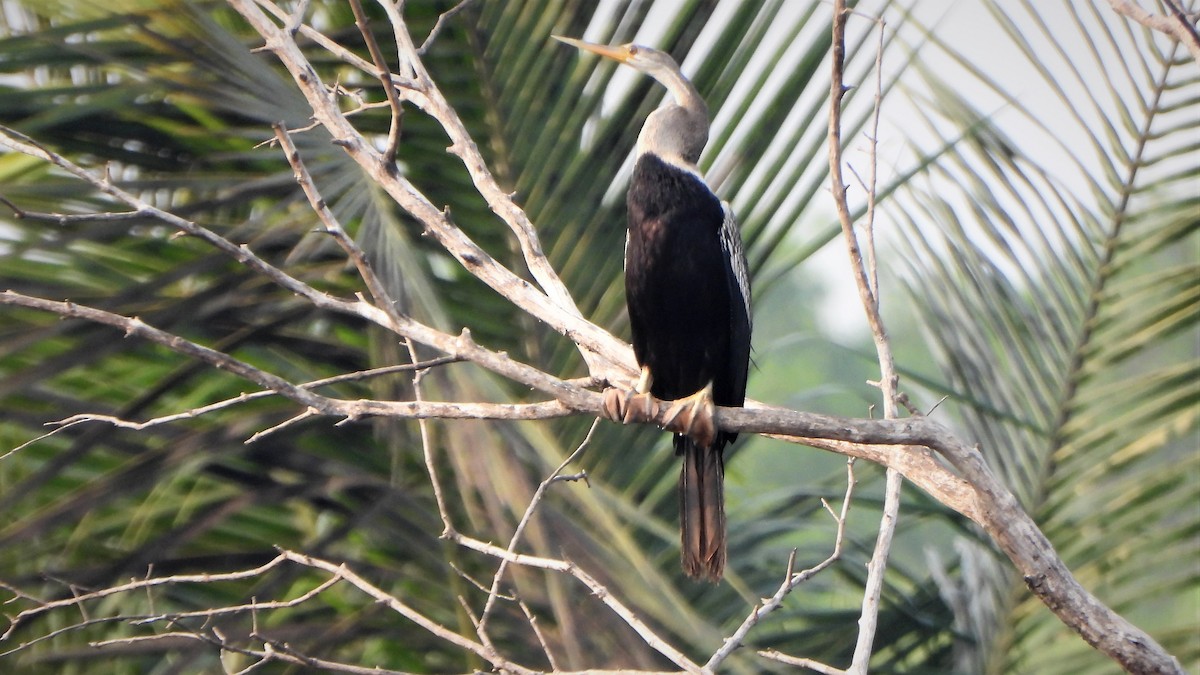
{"x": 47, "y": 606}
{"x": 606, "y": 356}
{"x": 442, "y": 19}
{"x": 385, "y": 76}
{"x": 975, "y": 492}
{"x": 229, "y": 402}
{"x": 328, "y": 406}
{"x": 533, "y": 624}
{"x": 866, "y": 278}
{"x": 394, "y": 603}
{"x": 619, "y": 608}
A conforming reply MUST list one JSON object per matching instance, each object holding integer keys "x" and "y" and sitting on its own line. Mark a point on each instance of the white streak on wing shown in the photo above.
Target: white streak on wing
{"x": 731, "y": 243}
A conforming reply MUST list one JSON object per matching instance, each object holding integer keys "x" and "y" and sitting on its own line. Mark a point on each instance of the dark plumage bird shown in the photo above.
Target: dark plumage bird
{"x": 689, "y": 300}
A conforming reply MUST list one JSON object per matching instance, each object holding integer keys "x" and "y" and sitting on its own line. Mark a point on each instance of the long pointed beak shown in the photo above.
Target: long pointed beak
{"x": 620, "y": 53}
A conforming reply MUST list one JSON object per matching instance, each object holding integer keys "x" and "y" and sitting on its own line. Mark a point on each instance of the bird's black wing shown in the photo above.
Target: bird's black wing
{"x": 738, "y": 283}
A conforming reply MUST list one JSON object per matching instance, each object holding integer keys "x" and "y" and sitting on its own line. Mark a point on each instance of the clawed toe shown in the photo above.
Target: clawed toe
{"x": 693, "y": 416}
{"x": 640, "y": 408}
{"x": 628, "y": 406}
{"x": 632, "y": 405}
{"x": 613, "y": 404}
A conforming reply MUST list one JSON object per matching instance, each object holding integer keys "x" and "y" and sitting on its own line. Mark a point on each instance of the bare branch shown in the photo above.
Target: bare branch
{"x": 271, "y": 651}
{"x": 1177, "y": 25}
{"x": 606, "y": 357}
{"x": 598, "y": 590}
{"x": 77, "y": 600}
{"x": 385, "y": 76}
{"x": 533, "y": 504}
{"x": 810, "y": 664}
{"x": 791, "y": 579}
{"x": 242, "y": 398}
{"x": 443, "y": 18}
{"x": 462, "y": 347}
{"x": 37, "y": 439}
{"x": 376, "y": 287}
{"x": 866, "y": 277}
{"x": 393, "y": 603}
{"x": 68, "y": 218}
{"x": 427, "y": 449}
{"x": 540, "y": 638}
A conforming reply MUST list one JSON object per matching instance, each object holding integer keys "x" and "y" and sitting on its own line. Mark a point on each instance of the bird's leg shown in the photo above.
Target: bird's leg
{"x": 634, "y": 405}
{"x": 693, "y": 416}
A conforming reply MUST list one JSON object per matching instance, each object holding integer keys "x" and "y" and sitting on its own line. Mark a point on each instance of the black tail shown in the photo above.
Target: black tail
{"x": 702, "y": 509}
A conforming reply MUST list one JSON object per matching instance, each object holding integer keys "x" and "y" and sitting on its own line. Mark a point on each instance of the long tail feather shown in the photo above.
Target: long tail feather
{"x": 702, "y": 509}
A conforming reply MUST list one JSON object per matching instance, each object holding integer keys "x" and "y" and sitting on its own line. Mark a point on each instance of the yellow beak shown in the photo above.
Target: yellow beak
{"x": 620, "y": 53}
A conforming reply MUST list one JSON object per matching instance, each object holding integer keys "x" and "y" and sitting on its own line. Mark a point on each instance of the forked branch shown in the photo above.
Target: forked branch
{"x": 911, "y": 447}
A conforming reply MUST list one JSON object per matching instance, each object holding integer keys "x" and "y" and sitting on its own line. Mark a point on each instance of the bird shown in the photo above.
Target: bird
{"x": 688, "y": 297}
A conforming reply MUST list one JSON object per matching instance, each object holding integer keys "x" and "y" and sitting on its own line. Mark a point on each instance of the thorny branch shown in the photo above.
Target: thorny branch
{"x": 443, "y": 18}
{"x": 385, "y": 76}
{"x": 866, "y": 278}
{"x": 907, "y": 447}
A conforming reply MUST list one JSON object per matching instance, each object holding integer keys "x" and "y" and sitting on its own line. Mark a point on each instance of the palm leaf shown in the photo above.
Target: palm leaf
{"x": 1061, "y": 277}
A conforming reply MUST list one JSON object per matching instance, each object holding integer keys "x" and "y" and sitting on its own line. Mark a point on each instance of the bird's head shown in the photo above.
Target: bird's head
{"x": 646, "y": 59}
{"x": 676, "y": 131}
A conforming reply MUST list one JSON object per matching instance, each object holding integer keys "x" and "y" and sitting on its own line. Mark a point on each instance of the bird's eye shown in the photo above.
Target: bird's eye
{"x": 633, "y": 50}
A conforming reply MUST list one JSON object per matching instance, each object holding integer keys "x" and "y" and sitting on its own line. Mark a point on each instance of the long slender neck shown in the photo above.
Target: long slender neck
{"x": 682, "y": 90}
{"x": 678, "y": 130}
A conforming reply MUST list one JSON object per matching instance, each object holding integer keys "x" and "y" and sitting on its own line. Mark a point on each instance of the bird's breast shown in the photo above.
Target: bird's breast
{"x": 675, "y": 280}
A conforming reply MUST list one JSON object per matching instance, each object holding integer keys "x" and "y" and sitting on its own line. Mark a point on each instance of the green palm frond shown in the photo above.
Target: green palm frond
{"x": 1060, "y": 271}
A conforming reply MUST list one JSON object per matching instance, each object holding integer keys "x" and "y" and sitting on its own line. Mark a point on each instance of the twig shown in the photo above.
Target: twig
{"x": 427, "y": 449}
{"x": 385, "y": 76}
{"x": 137, "y": 585}
{"x": 1177, "y": 26}
{"x": 250, "y": 607}
{"x": 867, "y": 280}
{"x": 791, "y": 579}
{"x": 66, "y": 424}
{"x": 537, "y": 632}
{"x": 441, "y": 23}
{"x": 241, "y": 398}
{"x": 533, "y": 504}
{"x": 396, "y": 605}
{"x": 334, "y": 227}
{"x": 607, "y": 357}
{"x": 810, "y": 664}
{"x": 68, "y": 218}
{"x": 597, "y": 589}
{"x": 295, "y": 419}
{"x": 271, "y": 651}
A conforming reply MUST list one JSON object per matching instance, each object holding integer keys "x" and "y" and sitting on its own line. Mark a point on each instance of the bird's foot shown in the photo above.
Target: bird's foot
{"x": 693, "y": 416}
{"x": 633, "y": 405}
{"x": 628, "y": 405}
